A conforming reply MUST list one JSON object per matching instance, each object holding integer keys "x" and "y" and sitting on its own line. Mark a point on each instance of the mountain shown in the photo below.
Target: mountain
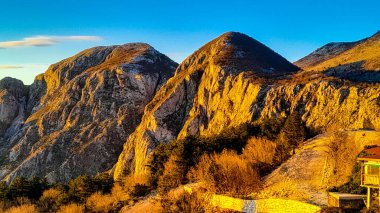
{"x": 76, "y": 116}
{"x": 212, "y": 82}
{"x": 358, "y": 61}
{"x": 324, "y": 53}
{"x": 110, "y": 107}
{"x": 222, "y": 86}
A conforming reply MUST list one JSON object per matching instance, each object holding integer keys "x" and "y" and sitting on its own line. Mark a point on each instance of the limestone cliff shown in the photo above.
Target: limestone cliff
{"x": 210, "y": 93}
{"x": 215, "y": 79}
{"x": 80, "y": 112}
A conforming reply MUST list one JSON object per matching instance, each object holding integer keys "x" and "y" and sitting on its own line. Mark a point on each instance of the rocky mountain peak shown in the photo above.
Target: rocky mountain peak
{"x": 81, "y": 110}
{"x": 14, "y": 87}
{"x": 188, "y": 103}
{"x": 97, "y": 58}
{"x": 13, "y": 95}
{"x": 237, "y": 52}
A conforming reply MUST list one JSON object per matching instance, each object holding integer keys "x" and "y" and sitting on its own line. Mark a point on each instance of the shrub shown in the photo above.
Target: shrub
{"x": 119, "y": 193}
{"x": 27, "y": 208}
{"x": 188, "y": 151}
{"x": 136, "y": 186}
{"x": 226, "y": 173}
{"x": 3, "y": 190}
{"x": 22, "y": 187}
{"x": 99, "y": 202}
{"x": 173, "y": 175}
{"x": 373, "y": 209}
{"x": 341, "y": 157}
{"x": 104, "y": 182}
{"x": 271, "y": 127}
{"x": 71, "y": 208}
{"x": 191, "y": 203}
{"x": 259, "y": 150}
{"x": 52, "y": 199}
{"x": 81, "y": 188}
{"x": 139, "y": 190}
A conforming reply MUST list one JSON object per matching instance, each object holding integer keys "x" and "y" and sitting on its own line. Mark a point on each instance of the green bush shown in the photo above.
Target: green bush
{"x": 139, "y": 190}
{"x": 81, "y": 188}
{"x": 21, "y": 187}
{"x": 189, "y": 150}
{"x": 104, "y": 182}
{"x": 3, "y": 190}
{"x": 271, "y": 127}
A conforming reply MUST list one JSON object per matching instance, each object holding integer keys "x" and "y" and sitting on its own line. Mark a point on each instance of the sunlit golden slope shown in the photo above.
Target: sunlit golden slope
{"x": 364, "y": 55}
{"x": 310, "y": 172}
{"x": 218, "y": 88}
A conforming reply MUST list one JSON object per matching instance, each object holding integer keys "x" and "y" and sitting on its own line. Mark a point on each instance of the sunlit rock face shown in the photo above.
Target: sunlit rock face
{"x": 211, "y": 90}
{"x": 80, "y": 112}
{"x": 234, "y": 80}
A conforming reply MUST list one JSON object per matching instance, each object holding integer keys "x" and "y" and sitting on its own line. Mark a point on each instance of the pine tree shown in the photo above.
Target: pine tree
{"x": 293, "y": 132}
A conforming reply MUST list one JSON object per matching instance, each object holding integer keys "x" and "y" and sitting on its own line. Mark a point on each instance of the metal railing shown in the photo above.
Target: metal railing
{"x": 370, "y": 179}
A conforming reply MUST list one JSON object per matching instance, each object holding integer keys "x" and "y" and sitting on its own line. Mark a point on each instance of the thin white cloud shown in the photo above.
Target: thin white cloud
{"x": 10, "y": 67}
{"x": 38, "y": 41}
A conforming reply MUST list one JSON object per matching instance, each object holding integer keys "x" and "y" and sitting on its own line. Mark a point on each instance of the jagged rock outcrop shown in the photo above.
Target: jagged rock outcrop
{"x": 209, "y": 94}
{"x": 13, "y": 94}
{"x": 81, "y": 110}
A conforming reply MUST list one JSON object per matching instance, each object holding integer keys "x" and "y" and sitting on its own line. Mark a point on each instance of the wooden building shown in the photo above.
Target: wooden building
{"x": 370, "y": 175}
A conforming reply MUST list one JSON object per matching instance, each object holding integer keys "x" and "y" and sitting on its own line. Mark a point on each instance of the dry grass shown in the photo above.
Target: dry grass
{"x": 51, "y": 193}
{"x": 286, "y": 189}
{"x": 133, "y": 180}
{"x": 259, "y": 150}
{"x": 227, "y": 173}
{"x": 71, "y": 208}
{"x": 98, "y": 202}
{"x": 119, "y": 193}
{"x": 51, "y": 199}
{"x": 27, "y": 208}
{"x": 192, "y": 203}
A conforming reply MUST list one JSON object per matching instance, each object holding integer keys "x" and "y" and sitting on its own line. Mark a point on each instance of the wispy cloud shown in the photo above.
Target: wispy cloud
{"x": 40, "y": 41}
{"x": 10, "y": 67}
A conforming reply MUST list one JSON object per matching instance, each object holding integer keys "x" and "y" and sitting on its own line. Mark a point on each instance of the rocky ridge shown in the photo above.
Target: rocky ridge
{"x": 81, "y": 110}
{"x": 114, "y": 105}
{"x": 355, "y": 61}
{"x": 208, "y": 95}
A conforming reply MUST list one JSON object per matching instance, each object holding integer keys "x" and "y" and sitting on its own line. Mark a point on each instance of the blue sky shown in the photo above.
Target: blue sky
{"x": 292, "y": 28}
